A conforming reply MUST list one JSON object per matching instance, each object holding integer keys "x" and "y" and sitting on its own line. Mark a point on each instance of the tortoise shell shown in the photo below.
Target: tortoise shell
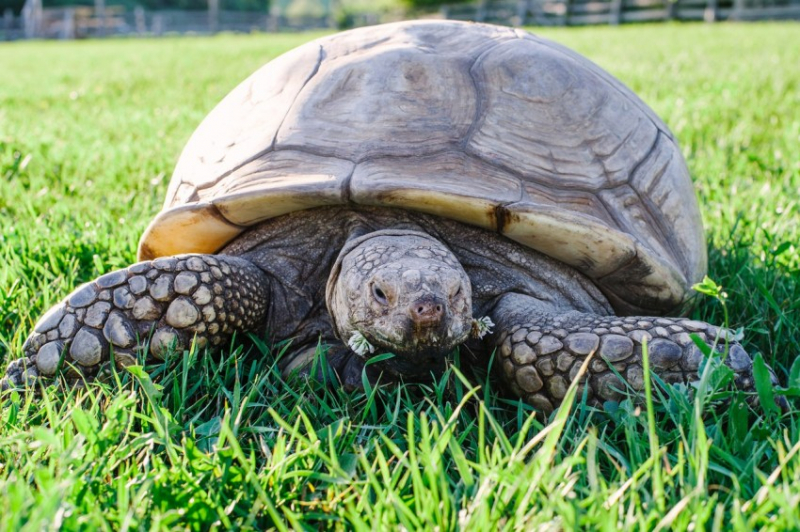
{"x": 487, "y": 125}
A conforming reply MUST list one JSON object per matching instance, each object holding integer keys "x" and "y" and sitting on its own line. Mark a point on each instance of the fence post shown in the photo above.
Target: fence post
{"x": 32, "y": 18}
{"x": 480, "y": 14}
{"x": 213, "y": 16}
{"x": 671, "y": 9}
{"x": 330, "y": 15}
{"x": 738, "y": 10}
{"x": 68, "y": 24}
{"x": 273, "y": 20}
{"x": 522, "y": 12}
{"x": 100, "y": 15}
{"x": 615, "y": 13}
{"x": 139, "y": 20}
{"x": 710, "y": 14}
{"x": 158, "y": 24}
{"x": 567, "y": 11}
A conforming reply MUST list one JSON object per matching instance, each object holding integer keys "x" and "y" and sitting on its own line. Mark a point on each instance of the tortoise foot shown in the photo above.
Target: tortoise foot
{"x": 541, "y": 354}
{"x": 170, "y": 301}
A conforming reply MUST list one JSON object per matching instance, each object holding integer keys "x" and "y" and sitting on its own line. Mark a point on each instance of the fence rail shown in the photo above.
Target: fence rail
{"x": 584, "y": 12}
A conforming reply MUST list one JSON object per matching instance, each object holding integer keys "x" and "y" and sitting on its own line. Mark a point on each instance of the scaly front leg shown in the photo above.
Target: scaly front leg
{"x": 540, "y": 352}
{"x": 174, "y": 299}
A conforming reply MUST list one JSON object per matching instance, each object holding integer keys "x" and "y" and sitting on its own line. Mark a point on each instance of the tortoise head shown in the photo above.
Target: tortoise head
{"x": 401, "y": 292}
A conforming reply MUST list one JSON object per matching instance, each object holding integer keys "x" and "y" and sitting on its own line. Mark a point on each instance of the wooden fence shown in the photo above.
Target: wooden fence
{"x": 85, "y": 22}
{"x": 582, "y": 12}
{"x": 101, "y": 20}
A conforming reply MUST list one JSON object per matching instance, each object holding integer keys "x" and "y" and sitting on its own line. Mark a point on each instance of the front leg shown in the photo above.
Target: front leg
{"x": 339, "y": 366}
{"x": 540, "y": 352}
{"x": 170, "y": 301}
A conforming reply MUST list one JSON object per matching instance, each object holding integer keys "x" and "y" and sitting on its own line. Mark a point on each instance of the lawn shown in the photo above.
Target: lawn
{"x": 89, "y": 133}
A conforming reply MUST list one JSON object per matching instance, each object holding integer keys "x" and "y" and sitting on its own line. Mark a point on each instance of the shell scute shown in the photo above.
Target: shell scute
{"x": 436, "y": 186}
{"x": 554, "y": 120}
{"x": 279, "y": 183}
{"x": 665, "y": 188}
{"x": 244, "y": 124}
{"x": 578, "y": 201}
{"x": 406, "y": 103}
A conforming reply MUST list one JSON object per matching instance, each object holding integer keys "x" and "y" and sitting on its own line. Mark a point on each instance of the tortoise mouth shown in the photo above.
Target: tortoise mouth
{"x": 410, "y": 364}
{"x": 414, "y": 358}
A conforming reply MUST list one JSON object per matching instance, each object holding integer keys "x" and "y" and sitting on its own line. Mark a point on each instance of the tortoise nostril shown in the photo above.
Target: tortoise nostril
{"x": 427, "y": 312}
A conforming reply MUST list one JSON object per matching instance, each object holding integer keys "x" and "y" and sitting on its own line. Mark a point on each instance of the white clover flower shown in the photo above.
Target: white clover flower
{"x": 360, "y": 345}
{"x": 482, "y": 326}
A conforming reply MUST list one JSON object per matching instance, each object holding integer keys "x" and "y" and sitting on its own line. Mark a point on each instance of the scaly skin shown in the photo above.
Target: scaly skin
{"x": 176, "y": 299}
{"x": 540, "y": 353}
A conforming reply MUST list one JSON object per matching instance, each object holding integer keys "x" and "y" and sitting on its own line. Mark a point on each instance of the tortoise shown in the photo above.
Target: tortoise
{"x": 410, "y": 188}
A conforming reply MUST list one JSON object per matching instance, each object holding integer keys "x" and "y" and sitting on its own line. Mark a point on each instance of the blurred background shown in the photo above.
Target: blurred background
{"x": 77, "y": 19}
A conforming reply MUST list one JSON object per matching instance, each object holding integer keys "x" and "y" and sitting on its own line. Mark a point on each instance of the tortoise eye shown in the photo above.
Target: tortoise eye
{"x": 379, "y": 295}
{"x": 456, "y": 293}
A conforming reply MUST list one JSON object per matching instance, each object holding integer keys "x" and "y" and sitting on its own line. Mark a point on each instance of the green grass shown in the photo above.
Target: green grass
{"x": 89, "y": 133}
